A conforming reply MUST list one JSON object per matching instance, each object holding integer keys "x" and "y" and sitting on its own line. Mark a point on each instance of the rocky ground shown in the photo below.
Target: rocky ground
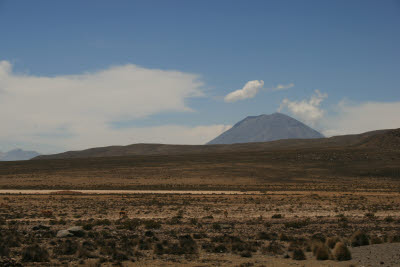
{"x": 264, "y": 229}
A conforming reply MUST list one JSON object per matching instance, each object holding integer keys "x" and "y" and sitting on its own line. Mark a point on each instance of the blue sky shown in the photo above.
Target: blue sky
{"x": 348, "y": 50}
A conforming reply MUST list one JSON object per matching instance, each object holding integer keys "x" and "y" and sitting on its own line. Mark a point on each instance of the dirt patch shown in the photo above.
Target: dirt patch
{"x": 384, "y": 255}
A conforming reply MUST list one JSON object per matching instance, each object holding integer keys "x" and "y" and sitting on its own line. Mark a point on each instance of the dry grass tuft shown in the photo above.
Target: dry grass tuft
{"x": 359, "y": 239}
{"x": 341, "y": 252}
{"x": 298, "y": 254}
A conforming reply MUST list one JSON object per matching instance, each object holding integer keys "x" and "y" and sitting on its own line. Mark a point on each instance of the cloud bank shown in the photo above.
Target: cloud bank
{"x": 345, "y": 117}
{"x": 249, "y": 90}
{"x": 352, "y": 118}
{"x": 75, "y": 111}
{"x": 308, "y": 110}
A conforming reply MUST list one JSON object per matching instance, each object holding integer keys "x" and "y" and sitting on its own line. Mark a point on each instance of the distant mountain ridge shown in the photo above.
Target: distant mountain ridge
{"x": 265, "y": 128}
{"x": 373, "y": 139}
{"x": 17, "y": 154}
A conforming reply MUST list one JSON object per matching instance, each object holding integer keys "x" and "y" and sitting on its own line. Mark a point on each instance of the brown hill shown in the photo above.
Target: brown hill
{"x": 382, "y": 138}
{"x": 388, "y": 140}
{"x": 341, "y": 163}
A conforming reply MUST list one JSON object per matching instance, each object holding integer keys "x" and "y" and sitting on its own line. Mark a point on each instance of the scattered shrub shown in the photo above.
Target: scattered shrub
{"x": 298, "y": 254}
{"x": 321, "y": 252}
{"x": 389, "y": 219}
{"x": 149, "y": 233}
{"x": 395, "y": 239}
{"x": 341, "y": 252}
{"x": 283, "y": 237}
{"x": 102, "y": 222}
{"x": 318, "y": 237}
{"x": 35, "y": 253}
{"x": 61, "y": 222}
{"x": 273, "y": 248}
{"x": 152, "y": 224}
{"x": 220, "y": 249}
{"x": 145, "y": 244}
{"x": 331, "y": 241}
{"x": 277, "y": 216}
{"x": 197, "y": 236}
{"x": 128, "y": 224}
{"x": 263, "y": 236}
{"x": 240, "y": 246}
{"x": 359, "y": 239}
{"x": 159, "y": 248}
{"x": 216, "y": 226}
{"x": 67, "y": 247}
{"x": 186, "y": 245}
{"x": 119, "y": 256}
{"x": 4, "y": 250}
{"x": 246, "y": 254}
{"x": 297, "y": 224}
{"x": 370, "y": 215}
{"x": 376, "y": 240}
{"x": 87, "y": 226}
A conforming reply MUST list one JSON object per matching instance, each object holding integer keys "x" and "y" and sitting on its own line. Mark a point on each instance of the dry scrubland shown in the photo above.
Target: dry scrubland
{"x": 312, "y": 207}
{"x": 267, "y": 229}
{"x": 336, "y": 169}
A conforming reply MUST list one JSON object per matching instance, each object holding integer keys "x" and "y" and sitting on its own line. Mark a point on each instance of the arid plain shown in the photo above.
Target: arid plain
{"x": 313, "y": 205}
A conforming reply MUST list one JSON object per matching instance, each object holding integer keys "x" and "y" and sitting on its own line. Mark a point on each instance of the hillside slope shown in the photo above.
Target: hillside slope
{"x": 162, "y": 149}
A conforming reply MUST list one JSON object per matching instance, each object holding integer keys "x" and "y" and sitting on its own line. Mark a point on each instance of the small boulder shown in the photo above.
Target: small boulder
{"x": 64, "y": 233}
{"x": 77, "y": 231}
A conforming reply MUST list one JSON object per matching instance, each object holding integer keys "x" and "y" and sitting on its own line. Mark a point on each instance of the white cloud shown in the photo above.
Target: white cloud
{"x": 75, "y": 111}
{"x": 281, "y": 87}
{"x": 249, "y": 90}
{"x": 307, "y": 110}
{"x": 351, "y": 118}
{"x": 345, "y": 117}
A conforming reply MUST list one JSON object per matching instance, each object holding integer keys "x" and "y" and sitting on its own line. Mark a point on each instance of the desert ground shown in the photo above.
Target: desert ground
{"x": 337, "y": 206}
{"x": 277, "y": 228}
